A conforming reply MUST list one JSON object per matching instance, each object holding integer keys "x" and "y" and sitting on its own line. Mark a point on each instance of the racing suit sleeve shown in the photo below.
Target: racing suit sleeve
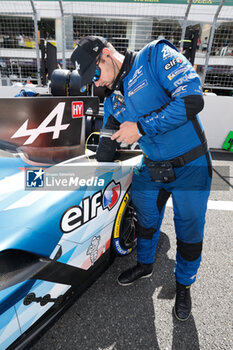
{"x": 107, "y": 148}
{"x": 182, "y": 85}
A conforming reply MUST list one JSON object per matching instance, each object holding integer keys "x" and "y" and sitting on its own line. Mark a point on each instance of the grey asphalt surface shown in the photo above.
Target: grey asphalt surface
{"x": 139, "y": 317}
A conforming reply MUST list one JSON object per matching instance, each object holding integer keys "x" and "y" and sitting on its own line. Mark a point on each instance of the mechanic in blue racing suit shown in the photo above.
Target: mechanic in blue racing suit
{"x": 157, "y": 96}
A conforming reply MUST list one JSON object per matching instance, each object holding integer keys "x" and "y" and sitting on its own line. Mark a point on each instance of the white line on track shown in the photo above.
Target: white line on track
{"x": 215, "y": 205}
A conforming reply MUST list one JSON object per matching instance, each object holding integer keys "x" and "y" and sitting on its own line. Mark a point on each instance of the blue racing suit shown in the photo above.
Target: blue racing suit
{"x": 163, "y": 95}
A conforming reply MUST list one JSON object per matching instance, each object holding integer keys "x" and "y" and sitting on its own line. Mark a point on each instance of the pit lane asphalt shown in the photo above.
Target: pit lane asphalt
{"x": 139, "y": 317}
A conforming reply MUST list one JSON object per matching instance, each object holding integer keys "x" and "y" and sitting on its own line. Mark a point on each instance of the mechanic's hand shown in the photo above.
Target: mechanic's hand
{"x": 128, "y": 133}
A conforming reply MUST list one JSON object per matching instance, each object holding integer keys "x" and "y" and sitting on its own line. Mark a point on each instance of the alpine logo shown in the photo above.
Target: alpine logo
{"x": 90, "y": 207}
{"x": 44, "y": 127}
{"x": 167, "y": 52}
{"x": 77, "y": 66}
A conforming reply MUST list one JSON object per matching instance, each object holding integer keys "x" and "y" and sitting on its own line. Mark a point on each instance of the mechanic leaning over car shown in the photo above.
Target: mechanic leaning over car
{"x": 153, "y": 98}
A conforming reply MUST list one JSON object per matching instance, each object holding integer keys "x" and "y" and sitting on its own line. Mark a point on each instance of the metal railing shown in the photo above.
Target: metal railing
{"x": 126, "y": 24}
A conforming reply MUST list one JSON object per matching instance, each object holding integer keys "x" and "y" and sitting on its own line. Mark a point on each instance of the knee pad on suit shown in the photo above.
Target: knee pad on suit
{"x": 144, "y": 232}
{"x": 189, "y": 251}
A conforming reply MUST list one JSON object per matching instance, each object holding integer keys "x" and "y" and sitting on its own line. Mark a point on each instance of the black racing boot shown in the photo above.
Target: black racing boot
{"x": 134, "y": 273}
{"x": 183, "y": 304}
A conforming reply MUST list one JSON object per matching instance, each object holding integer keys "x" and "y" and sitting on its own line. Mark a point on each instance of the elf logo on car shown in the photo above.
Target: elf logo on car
{"x": 111, "y": 195}
{"x": 79, "y": 215}
{"x": 43, "y": 128}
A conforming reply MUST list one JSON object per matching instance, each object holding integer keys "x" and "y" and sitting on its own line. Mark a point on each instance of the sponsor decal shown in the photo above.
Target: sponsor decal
{"x": 119, "y": 249}
{"x": 111, "y": 195}
{"x": 138, "y": 87}
{"x": 120, "y": 215}
{"x": 170, "y": 64}
{"x": 199, "y": 89}
{"x": 44, "y": 127}
{"x": 79, "y": 215}
{"x": 77, "y": 109}
{"x": 176, "y": 72}
{"x": 119, "y": 112}
{"x": 203, "y": 2}
{"x": 31, "y": 297}
{"x": 117, "y": 226}
{"x": 180, "y": 90}
{"x": 138, "y": 73}
{"x": 93, "y": 249}
{"x": 120, "y": 98}
{"x": 35, "y": 178}
{"x": 173, "y": 63}
{"x": 119, "y": 101}
{"x": 167, "y": 51}
{"x": 184, "y": 78}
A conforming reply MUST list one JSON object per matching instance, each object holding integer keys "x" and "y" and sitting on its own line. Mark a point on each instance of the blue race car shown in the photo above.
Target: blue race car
{"x": 63, "y": 216}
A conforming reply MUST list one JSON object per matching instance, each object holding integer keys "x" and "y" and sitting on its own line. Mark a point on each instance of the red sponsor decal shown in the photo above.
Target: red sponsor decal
{"x": 77, "y": 109}
{"x": 115, "y": 196}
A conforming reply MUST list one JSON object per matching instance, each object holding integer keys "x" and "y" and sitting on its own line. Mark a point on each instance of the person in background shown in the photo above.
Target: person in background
{"x": 198, "y": 43}
{"x": 161, "y": 97}
{"x": 205, "y": 44}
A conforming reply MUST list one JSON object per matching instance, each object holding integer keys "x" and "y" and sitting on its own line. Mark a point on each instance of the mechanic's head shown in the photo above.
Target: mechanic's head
{"x": 96, "y": 60}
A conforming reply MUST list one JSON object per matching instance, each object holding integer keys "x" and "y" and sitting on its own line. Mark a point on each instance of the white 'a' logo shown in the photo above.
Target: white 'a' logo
{"x": 77, "y": 66}
{"x": 43, "y": 128}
